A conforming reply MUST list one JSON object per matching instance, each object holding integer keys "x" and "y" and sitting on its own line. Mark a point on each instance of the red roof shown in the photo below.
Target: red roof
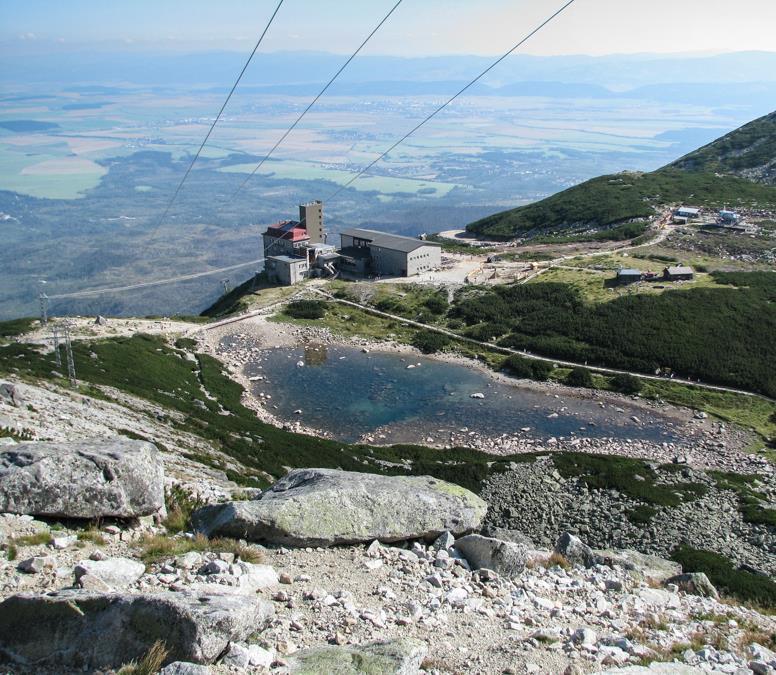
{"x": 288, "y": 229}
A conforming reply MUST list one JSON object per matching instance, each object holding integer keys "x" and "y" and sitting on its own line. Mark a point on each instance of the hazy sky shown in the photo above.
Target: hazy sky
{"x": 418, "y": 27}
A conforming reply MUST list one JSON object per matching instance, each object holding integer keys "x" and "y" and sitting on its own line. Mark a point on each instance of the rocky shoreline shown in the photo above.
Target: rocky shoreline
{"x": 705, "y": 444}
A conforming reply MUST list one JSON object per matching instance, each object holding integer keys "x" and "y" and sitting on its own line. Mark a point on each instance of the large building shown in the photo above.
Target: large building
{"x": 373, "y": 253}
{"x": 296, "y": 249}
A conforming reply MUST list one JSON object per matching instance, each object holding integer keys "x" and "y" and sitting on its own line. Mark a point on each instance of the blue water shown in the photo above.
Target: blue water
{"x": 348, "y": 393}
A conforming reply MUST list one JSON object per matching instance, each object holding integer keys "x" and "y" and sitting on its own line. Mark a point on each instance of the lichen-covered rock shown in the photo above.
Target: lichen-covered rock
{"x": 504, "y": 557}
{"x": 324, "y": 507}
{"x": 89, "y": 631}
{"x": 648, "y": 566}
{"x": 118, "y": 478}
{"x": 395, "y": 657}
{"x": 114, "y": 572}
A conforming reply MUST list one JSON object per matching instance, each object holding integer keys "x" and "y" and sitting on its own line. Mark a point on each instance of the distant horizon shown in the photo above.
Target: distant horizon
{"x": 430, "y": 28}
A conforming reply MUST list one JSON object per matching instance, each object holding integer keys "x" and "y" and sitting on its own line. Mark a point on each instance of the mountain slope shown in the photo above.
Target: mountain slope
{"x": 738, "y": 170}
{"x": 748, "y": 152}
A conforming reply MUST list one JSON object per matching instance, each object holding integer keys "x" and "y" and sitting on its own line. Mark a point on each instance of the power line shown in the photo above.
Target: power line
{"x": 218, "y": 117}
{"x": 146, "y": 284}
{"x": 450, "y": 100}
{"x": 314, "y": 101}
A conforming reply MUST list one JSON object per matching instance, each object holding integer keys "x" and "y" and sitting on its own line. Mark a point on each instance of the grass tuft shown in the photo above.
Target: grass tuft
{"x": 150, "y": 664}
{"x": 154, "y": 548}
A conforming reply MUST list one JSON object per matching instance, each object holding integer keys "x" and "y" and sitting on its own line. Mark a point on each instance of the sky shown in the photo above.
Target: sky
{"x": 417, "y": 28}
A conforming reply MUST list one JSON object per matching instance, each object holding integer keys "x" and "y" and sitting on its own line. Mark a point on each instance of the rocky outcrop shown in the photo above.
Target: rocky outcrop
{"x": 115, "y": 573}
{"x": 503, "y": 557}
{"x": 395, "y": 657}
{"x": 324, "y": 507}
{"x": 117, "y": 478}
{"x": 575, "y": 550}
{"x": 90, "y": 631}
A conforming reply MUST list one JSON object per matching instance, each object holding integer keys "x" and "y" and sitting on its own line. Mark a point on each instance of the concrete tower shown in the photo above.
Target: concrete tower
{"x": 311, "y": 217}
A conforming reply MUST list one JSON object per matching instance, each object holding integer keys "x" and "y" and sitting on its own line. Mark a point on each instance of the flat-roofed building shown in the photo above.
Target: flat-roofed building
{"x": 678, "y": 273}
{"x": 370, "y": 252}
{"x": 628, "y": 276}
{"x": 286, "y": 270}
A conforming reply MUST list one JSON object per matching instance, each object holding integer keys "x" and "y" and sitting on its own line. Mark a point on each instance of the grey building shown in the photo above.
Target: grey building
{"x": 370, "y": 252}
{"x": 628, "y": 276}
{"x": 678, "y": 273}
{"x": 286, "y": 270}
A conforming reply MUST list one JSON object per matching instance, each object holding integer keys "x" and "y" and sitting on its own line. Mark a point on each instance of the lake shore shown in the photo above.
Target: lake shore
{"x": 705, "y": 442}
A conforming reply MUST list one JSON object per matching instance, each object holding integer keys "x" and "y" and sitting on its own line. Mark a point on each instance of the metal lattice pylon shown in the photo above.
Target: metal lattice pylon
{"x": 69, "y": 352}
{"x": 55, "y": 338}
{"x": 43, "y": 298}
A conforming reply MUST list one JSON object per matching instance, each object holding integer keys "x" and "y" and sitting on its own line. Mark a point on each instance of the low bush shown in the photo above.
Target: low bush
{"x": 580, "y": 377}
{"x": 625, "y": 383}
{"x": 744, "y": 586}
{"x": 154, "y": 548}
{"x": 306, "y": 309}
{"x": 429, "y": 341}
{"x": 533, "y": 369}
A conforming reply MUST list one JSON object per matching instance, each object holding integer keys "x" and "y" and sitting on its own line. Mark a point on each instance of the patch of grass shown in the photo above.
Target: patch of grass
{"x": 185, "y": 343}
{"x": 150, "y": 664}
{"x": 751, "y": 503}
{"x": 157, "y": 547}
{"x": 632, "y": 477}
{"x": 93, "y": 536}
{"x": 15, "y": 327}
{"x": 559, "y": 560}
{"x": 180, "y": 505}
{"x": 744, "y": 586}
{"x": 12, "y": 552}
{"x": 642, "y": 514}
{"x": 37, "y": 539}
{"x": 16, "y": 434}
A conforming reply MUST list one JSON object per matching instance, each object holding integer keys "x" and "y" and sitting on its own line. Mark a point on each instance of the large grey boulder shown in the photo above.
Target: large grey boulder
{"x": 118, "y": 478}
{"x": 395, "y": 657}
{"x": 640, "y": 564}
{"x": 504, "y": 557}
{"x": 324, "y": 507}
{"x": 114, "y": 572}
{"x": 575, "y": 550}
{"x": 89, "y": 631}
{"x": 694, "y": 583}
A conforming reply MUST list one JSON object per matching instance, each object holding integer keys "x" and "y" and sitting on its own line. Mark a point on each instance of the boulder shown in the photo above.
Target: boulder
{"x": 324, "y": 507}
{"x": 695, "y": 583}
{"x": 89, "y": 631}
{"x": 575, "y": 550}
{"x": 654, "y": 668}
{"x": 114, "y": 572}
{"x": 515, "y": 536}
{"x": 394, "y": 657}
{"x": 118, "y": 478}
{"x": 10, "y": 393}
{"x": 503, "y": 557}
{"x": 649, "y": 566}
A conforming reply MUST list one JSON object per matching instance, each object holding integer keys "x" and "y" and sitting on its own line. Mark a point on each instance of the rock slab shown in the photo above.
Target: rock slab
{"x": 118, "y": 478}
{"x": 89, "y": 631}
{"x": 325, "y": 507}
{"x": 395, "y": 657}
{"x": 504, "y": 557}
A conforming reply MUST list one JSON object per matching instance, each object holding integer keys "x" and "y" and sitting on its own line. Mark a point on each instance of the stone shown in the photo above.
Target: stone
{"x": 188, "y": 560}
{"x": 584, "y": 636}
{"x": 443, "y": 542}
{"x": 36, "y": 564}
{"x": 648, "y": 566}
{"x": 695, "y": 583}
{"x": 258, "y": 657}
{"x": 10, "y": 393}
{"x": 236, "y": 657}
{"x": 397, "y": 657}
{"x": 254, "y": 577}
{"x": 60, "y": 543}
{"x": 325, "y": 507}
{"x": 515, "y": 536}
{"x": 575, "y": 550}
{"x": 654, "y": 668}
{"x": 115, "y": 572}
{"x": 185, "y": 668}
{"x": 118, "y": 478}
{"x": 503, "y": 557}
{"x": 88, "y": 631}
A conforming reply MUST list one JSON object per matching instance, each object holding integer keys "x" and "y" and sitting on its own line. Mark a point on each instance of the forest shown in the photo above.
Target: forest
{"x": 721, "y": 335}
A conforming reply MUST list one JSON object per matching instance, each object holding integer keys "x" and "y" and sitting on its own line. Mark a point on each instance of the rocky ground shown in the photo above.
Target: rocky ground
{"x": 536, "y": 499}
{"x": 547, "y": 619}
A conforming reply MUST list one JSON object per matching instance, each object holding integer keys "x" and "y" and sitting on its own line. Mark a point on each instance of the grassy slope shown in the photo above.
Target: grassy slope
{"x": 748, "y": 150}
{"x": 716, "y": 175}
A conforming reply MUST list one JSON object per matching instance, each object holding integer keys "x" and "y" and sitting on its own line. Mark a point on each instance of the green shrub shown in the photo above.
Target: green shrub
{"x": 625, "y": 383}
{"x": 437, "y": 303}
{"x": 533, "y": 369}
{"x": 744, "y": 586}
{"x": 306, "y": 309}
{"x": 580, "y": 377}
{"x": 429, "y": 341}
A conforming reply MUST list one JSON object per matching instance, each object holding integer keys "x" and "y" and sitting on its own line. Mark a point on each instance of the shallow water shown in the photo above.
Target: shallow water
{"x": 348, "y": 393}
